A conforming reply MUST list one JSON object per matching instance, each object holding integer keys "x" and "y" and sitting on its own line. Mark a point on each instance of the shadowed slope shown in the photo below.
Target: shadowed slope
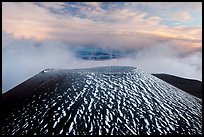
{"x": 193, "y": 87}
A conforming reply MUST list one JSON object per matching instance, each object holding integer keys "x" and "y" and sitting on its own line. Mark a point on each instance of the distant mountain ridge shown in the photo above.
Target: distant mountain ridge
{"x": 191, "y": 86}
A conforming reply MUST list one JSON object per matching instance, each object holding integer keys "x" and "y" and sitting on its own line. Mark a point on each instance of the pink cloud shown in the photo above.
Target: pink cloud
{"x": 128, "y": 28}
{"x": 181, "y": 16}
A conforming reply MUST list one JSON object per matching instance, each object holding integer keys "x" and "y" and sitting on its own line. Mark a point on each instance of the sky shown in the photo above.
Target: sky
{"x": 165, "y": 37}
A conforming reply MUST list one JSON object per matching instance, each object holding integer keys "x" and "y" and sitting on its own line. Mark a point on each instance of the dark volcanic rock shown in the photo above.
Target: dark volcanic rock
{"x": 105, "y": 100}
{"x": 193, "y": 87}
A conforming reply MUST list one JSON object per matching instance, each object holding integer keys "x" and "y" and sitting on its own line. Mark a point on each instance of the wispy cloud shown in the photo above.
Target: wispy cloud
{"x": 32, "y": 21}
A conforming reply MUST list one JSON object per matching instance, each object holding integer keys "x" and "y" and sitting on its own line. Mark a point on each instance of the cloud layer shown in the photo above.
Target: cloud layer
{"x": 90, "y": 23}
{"x": 166, "y": 37}
{"x": 23, "y": 58}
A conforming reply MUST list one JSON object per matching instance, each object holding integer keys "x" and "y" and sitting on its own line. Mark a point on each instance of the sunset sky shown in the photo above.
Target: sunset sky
{"x": 166, "y": 37}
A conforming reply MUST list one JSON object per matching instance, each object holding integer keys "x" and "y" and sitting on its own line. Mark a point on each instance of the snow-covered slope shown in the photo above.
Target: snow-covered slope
{"x": 106, "y": 100}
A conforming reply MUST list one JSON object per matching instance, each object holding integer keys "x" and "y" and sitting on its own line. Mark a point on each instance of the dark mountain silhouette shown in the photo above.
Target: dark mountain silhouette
{"x": 193, "y": 87}
{"x": 115, "y": 100}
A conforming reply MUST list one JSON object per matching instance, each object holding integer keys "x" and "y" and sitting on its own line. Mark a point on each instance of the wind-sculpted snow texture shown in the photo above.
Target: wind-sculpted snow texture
{"x": 106, "y": 100}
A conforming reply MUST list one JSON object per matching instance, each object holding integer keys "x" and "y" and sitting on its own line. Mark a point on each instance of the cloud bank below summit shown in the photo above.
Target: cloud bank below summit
{"x": 23, "y": 58}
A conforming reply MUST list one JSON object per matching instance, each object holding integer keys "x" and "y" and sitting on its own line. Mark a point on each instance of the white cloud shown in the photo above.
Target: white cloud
{"x": 23, "y": 58}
